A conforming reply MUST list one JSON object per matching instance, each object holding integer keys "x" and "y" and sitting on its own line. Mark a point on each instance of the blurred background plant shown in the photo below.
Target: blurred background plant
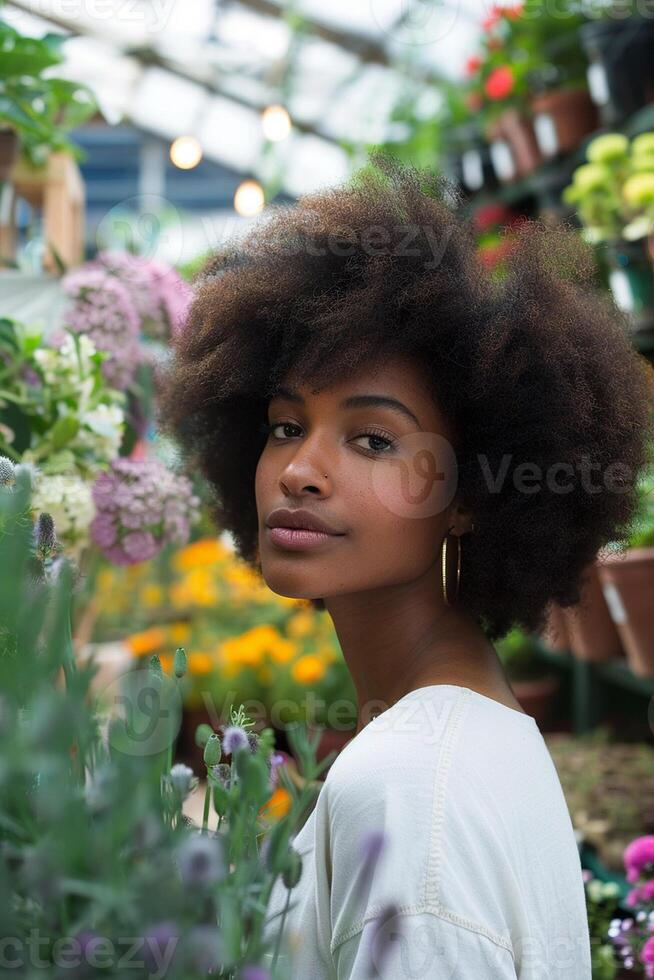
{"x": 94, "y": 842}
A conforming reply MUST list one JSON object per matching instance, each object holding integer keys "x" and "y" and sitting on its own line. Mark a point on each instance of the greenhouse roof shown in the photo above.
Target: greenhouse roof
{"x": 209, "y": 68}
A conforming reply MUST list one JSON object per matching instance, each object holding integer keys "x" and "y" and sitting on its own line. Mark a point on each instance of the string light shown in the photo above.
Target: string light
{"x": 186, "y": 152}
{"x": 276, "y": 123}
{"x": 249, "y": 198}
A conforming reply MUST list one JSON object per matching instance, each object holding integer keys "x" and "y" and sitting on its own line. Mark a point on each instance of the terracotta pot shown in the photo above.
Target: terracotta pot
{"x": 562, "y": 118}
{"x": 628, "y": 585}
{"x": 537, "y": 696}
{"x": 555, "y": 634}
{"x": 8, "y": 152}
{"x": 591, "y": 632}
{"x": 514, "y": 131}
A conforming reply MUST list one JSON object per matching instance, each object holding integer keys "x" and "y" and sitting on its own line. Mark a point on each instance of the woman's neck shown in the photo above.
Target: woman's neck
{"x": 400, "y": 639}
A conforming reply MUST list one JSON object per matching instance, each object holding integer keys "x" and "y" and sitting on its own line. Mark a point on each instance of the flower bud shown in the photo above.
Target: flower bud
{"x": 212, "y": 751}
{"x": 293, "y": 870}
{"x": 180, "y": 664}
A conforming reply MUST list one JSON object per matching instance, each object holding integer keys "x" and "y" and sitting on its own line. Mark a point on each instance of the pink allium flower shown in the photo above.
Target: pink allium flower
{"x": 159, "y": 294}
{"x": 637, "y": 856}
{"x": 102, "y": 308}
{"x": 647, "y": 952}
{"x": 140, "y": 507}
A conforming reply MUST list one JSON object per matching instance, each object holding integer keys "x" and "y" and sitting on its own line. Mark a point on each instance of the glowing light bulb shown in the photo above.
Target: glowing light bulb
{"x": 276, "y": 123}
{"x": 249, "y": 198}
{"x": 186, "y": 152}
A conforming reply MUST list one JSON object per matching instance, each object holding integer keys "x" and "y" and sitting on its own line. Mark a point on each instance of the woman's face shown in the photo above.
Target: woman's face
{"x": 381, "y": 477}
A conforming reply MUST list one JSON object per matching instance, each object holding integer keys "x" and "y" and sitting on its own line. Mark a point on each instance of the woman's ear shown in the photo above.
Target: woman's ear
{"x": 461, "y": 519}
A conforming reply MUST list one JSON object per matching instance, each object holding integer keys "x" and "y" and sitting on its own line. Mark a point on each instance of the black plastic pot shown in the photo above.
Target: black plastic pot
{"x": 621, "y": 65}
{"x": 467, "y": 159}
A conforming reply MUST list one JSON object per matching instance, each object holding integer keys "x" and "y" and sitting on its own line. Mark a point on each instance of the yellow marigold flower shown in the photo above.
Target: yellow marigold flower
{"x": 106, "y": 580}
{"x": 281, "y": 651}
{"x": 179, "y": 633}
{"x": 308, "y": 669}
{"x": 206, "y": 551}
{"x": 147, "y": 641}
{"x": 301, "y": 624}
{"x": 166, "y": 662}
{"x": 278, "y": 805}
{"x": 200, "y": 662}
{"x": 151, "y": 595}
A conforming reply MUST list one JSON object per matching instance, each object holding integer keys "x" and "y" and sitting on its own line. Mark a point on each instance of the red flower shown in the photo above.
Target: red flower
{"x": 490, "y": 215}
{"x": 473, "y": 64}
{"x": 499, "y": 83}
{"x": 488, "y": 23}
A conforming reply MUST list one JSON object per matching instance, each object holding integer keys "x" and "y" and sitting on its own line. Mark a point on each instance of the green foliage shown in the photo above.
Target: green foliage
{"x": 517, "y": 652}
{"x": 95, "y": 851}
{"x": 42, "y": 110}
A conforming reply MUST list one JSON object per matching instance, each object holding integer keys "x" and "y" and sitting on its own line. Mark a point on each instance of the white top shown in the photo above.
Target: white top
{"x": 479, "y": 861}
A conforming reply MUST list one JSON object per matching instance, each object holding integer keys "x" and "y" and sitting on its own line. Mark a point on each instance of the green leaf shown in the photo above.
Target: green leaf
{"x": 64, "y": 431}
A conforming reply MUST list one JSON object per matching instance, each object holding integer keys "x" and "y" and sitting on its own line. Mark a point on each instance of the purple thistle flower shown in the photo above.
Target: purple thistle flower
{"x": 102, "y": 308}
{"x": 141, "y": 506}
{"x": 234, "y": 738}
{"x": 160, "y": 940}
{"x": 201, "y": 860}
{"x": 254, "y": 973}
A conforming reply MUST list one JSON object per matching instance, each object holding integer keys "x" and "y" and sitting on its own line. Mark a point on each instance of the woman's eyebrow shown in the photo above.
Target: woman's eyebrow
{"x": 356, "y": 401}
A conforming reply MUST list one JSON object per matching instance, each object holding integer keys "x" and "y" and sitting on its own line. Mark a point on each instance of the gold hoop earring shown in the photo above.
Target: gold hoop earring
{"x": 444, "y": 552}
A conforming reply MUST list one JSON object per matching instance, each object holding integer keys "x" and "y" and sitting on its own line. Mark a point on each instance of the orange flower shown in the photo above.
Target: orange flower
{"x": 278, "y": 805}
{"x": 147, "y": 641}
{"x": 308, "y": 669}
{"x": 200, "y": 662}
{"x": 206, "y": 551}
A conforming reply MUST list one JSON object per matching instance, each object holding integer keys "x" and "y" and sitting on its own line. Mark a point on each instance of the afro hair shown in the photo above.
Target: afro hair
{"x": 536, "y": 367}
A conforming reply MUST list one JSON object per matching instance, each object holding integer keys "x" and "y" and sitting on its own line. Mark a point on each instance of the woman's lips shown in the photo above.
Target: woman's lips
{"x": 299, "y": 539}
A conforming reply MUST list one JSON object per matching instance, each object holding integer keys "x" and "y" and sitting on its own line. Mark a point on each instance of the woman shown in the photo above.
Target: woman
{"x": 456, "y": 448}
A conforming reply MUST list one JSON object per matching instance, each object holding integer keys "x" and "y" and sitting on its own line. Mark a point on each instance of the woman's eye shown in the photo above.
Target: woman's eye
{"x": 375, "y": 437}
{"x": 382, "y": 444}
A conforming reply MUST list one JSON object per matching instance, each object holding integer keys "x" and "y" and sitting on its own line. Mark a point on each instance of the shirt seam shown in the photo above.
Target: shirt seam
{"x": 437, "y": 910}
{"x": 432, "y": 895}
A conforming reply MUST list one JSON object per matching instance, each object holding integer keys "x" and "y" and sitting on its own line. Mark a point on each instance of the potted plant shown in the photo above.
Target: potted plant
{"x": 611, "y": 193}
{"x": 563, "y": 111}
{"x": 534, "y": 685}
{"x": 590, "y": 630}
{"x": 39, "y": 110}
{"x": 627, "y": 579}
{"x": 498, "y": 91}
{"x": 621, "y": 67}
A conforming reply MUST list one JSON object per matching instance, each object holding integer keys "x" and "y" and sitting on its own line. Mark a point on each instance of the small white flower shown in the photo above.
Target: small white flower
{"x": 68, "y": 500}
